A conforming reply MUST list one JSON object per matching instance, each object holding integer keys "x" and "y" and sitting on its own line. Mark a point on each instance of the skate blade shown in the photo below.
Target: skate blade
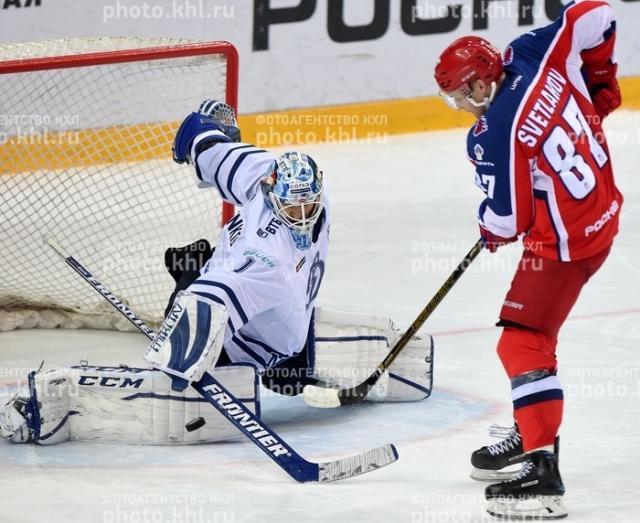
{"x": 495, "y": 476}
{"x": 536, "y": 508}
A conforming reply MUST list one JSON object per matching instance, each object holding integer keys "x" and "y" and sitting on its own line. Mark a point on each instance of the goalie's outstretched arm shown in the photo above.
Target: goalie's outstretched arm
{"x": 211, "y": 143}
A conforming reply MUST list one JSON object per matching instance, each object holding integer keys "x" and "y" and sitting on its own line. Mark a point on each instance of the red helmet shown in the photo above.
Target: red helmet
{"x": 467, "y": 59}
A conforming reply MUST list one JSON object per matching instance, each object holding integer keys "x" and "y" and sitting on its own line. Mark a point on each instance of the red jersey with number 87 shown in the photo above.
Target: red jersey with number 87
{"x": 540, "y": 153}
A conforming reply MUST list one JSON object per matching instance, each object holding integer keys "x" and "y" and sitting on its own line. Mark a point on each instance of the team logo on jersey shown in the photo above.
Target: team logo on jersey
{"x": 507, "y": 56}
{"x": 481, "y": 126}
{"x": 478, "y": 151}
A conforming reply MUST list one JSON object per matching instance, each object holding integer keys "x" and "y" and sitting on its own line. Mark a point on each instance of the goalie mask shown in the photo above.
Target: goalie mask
{"x": 293, "y": 189}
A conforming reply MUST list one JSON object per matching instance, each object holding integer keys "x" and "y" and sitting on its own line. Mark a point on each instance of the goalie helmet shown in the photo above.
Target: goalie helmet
{"x": 293, "y": 190}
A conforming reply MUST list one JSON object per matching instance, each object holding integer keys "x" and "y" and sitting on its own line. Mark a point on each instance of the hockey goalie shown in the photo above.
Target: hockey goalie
{"x": 243, "y": 310}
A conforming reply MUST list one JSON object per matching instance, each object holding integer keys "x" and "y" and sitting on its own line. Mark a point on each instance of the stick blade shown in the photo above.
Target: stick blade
{"x": 363, "y": 463}
{"x": 321, "y": 397}
{"x": 329, "y": 398}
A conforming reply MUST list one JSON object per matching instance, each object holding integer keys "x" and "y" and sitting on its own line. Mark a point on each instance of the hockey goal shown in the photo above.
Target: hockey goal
{"x": 86, "y": 127}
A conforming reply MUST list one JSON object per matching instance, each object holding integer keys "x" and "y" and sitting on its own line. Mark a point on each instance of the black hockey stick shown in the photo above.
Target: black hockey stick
{"x": 242, "y": 418}
{"x": 329, "y": 398}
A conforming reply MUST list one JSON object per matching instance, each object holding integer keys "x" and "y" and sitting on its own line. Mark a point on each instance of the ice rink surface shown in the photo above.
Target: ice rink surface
{"x": 403, "y": 216}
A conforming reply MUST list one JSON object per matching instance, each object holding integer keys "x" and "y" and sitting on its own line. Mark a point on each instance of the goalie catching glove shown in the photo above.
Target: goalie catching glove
{"x": 213, "y": 122}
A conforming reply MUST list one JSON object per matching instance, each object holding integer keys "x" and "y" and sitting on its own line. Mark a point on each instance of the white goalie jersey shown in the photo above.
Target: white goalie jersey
{"x": 268, "y": 284}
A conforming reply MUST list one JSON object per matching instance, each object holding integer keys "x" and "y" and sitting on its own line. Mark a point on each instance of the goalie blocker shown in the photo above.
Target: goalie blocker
{"x": 141, "y": 406}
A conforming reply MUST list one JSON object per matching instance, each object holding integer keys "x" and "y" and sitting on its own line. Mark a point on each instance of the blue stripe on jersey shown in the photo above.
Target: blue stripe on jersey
{"x": 219, "y": 300}
{"x": 251, "y": 352}
{"x": 230, "y": 293}
{"x": 234, "y": 169}
{"x": 538, "y": 397}
{"x": 212, "y": 297}
{"x": 215, "y": 176}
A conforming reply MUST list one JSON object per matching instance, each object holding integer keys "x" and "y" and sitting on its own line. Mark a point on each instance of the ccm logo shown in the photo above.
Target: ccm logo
{"x": 110, "y": 381}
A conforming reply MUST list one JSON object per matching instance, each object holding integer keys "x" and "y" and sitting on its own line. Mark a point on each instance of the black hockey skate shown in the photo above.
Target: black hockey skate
{"x": 535, "y": 493}
{"x": 489, "y": 463}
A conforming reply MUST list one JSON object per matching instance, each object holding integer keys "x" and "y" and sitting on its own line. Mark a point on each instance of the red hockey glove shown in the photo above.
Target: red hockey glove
{"x": 603, "y": 88}
{"x": 492, "y": 241}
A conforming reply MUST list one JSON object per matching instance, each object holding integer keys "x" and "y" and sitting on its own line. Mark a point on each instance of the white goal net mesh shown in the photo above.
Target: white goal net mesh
{"x": 85, "y": 160}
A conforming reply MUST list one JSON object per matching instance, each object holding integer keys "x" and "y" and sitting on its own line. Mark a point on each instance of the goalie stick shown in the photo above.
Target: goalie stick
{"x": 242, "y": 418}
{"x": 322, "y": 397}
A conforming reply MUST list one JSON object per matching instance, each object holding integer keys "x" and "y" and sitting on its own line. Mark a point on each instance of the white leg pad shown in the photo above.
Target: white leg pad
{"x": 349, "y": 346}
{"x": 121, "y": 405}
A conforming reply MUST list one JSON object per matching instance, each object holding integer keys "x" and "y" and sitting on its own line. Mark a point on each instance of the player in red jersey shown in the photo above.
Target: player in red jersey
{"x": 541, "y": 158}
